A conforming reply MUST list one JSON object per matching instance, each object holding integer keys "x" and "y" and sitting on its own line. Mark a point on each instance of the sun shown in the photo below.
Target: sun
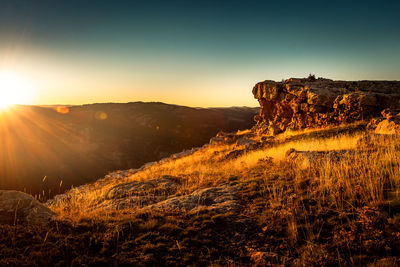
{"x": 14, "y": 89}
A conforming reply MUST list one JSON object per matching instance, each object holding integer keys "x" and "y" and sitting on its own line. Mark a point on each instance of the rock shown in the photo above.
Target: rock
{"x": 219, "y": 199}
{"x": 389, "y": 125}
{"x": 217, "y": 140}
{"x": 137, "y": 194}
{"x": 152, "y": 194}
{"x": 226, "y": 138}
{"x": 247, "y": 143}
{"x": 164, "y": 185}
{"x": 20, "y": 208}
{"x": 265, "y": 139}
{"x": 184, "y": 153}
{"x": 273, "y": 129}
{"x": 304, "y": 103}
{"x": 373, "y": 123}
{"x": 389, "y": 113}
{"x": 234, "y": 154}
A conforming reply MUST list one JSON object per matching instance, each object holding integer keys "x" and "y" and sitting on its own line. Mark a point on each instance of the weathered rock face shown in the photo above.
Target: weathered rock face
{"x": 136, "y": 194}
{"x": 20, "y": 208}
{"x": 219, "y": 199}
{"x": 303, "y": 103}
{"x": 153, "y": 195}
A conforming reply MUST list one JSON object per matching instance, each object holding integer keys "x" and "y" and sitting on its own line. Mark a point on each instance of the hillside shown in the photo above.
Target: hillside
{"x": 307, "y": 194}
{"x": 78, "y": 144}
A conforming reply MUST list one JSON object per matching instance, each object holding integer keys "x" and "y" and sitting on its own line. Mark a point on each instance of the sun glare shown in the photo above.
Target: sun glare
{"x": 14, "y": 89}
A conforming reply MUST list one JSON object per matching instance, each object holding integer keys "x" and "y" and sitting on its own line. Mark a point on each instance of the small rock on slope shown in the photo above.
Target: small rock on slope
{"x": 20, "y": 208}
{"x": 219, "y": 199}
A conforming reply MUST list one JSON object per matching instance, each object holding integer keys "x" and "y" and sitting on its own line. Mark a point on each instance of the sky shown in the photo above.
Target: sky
{"x": 194, "y": 53}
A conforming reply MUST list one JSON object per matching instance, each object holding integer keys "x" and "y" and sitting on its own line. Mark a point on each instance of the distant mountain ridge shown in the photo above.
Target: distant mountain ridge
{"x": 72, "y": 145}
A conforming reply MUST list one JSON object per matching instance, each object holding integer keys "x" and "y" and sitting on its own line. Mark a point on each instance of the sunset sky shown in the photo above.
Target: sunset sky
{"x": 195, "y": 53}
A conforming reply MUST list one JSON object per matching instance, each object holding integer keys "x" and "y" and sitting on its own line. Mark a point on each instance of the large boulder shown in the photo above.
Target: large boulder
{"x": 310, "y": 102}
{"x": 388, "y": 127}
{"x": 20, "y": 208}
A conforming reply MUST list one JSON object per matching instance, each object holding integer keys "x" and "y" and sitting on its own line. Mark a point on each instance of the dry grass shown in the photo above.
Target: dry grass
{"x": 277, "y": 153}
{"x": 366, "y": 177}
{"x": 338, "y": 181}
{"x": 329, "y": 211}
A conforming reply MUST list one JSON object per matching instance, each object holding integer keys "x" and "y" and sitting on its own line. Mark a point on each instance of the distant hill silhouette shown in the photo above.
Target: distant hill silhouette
{"x": 78, "y": 144}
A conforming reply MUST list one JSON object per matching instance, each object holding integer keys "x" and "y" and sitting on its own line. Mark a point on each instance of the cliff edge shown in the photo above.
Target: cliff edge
{"x": 309, "y": 102}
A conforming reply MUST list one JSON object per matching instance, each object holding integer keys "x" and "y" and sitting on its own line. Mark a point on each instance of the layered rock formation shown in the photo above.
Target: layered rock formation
{"x": 302, "y": 103}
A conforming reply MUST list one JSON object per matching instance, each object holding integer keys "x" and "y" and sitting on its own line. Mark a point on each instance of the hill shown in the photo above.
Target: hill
{"x": 73, "y": 145}
{"x": 311, "y": 195}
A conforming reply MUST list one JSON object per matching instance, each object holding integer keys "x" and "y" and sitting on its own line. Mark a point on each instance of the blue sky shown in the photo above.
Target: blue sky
{"x": 196, "y": 53}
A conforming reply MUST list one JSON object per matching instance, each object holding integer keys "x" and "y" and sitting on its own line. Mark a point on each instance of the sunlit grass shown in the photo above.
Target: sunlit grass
{"x": 363, "y": 177}
{"x": 277, "y": 153}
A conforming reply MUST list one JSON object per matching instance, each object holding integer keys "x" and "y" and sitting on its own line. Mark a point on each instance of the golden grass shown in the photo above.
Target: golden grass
{"x": 302, "y": 206}
{"x": 367, "y": 176}
{"x": 340, "y": 142}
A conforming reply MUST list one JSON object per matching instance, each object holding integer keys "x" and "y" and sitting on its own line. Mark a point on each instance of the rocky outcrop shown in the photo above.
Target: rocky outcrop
{"x": 136, "y": 194}
{"x": 219, "y": 199}
{"x": 153, "y": 195}
{"x": 162, "y": 186}
{"x": 310, "y": 102}
{"x": 20, "y": 208}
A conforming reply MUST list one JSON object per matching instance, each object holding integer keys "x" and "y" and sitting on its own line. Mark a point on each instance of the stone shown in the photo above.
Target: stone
{"x": 388, "y": 127}
{"x": 247, "y": 143}
{"x": 273, "y": 129}
{"x": 220, "y": 199}
{"x": 306, "y": 103}
{"x": 137, "y": 194}
{"x": 20, "y": 208}
{"x": 389, "y": 124}
{"x": 166, "y": 184}
{"x": 234, "y": 154}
